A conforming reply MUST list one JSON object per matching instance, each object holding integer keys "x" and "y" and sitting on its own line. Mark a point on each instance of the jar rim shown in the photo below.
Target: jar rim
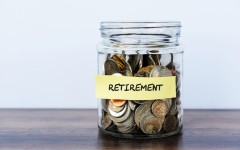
{"x": 137, "y": 25}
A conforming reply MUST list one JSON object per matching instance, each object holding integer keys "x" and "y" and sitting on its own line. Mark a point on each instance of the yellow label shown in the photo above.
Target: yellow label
{"x": 135, "y": 88}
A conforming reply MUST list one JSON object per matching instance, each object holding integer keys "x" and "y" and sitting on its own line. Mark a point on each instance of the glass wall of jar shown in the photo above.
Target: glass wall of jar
{"x": 141, "y": 50}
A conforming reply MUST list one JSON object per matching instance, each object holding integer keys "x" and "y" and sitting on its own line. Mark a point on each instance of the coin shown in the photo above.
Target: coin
{"x": 160, "y": 71}
{"x": 147, "y": 60}
{"x": 134, "y": 62}
{"x": 140, "y": 101}
{"x": 118, "y": 102}
{"x": 111, "y": 67}
{"x": 115, "y": 108}
{"x": 144, "y": 71}
{"x": 150, "y": 124}
{"x": 104, "y": 103}
{"x": 127, "y": 73}
{"x": 117, "y": 74}
{"x": 106, "y": 121}
{"x": 122, "y": 64}
{"x": 147, "y": 68}
{"x": 168, "y": 101}
{"x": 159, "y": 108}
{"x": 123, "y": 117}
{"x": 173, "y": 108}
{"x": 156, "y": 58}
{"x": 117, "y": 114}
{"x": 142, "y": 74}
{"x": 132, "y": 105}
{"x": 126, "y": 126}
{"x": 171, "y": 65}
{"x": 126, "y": 129}
{"x": 118, "y": 61}
{"x": 170, "y": 124}
{"x": 141, "y": 110}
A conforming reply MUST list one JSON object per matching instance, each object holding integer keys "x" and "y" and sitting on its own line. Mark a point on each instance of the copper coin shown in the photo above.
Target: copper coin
{"x": 118, "y": 102}
{"x": 170, "y": 124}
{"x": 115, "y": 108}
{"x": 111, "y": 67}
{"x": 150, "y": 124}
{"x": 160, "y": 108}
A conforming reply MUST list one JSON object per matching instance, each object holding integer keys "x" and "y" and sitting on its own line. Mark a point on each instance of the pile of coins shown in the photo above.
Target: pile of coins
{"x": 145, "y": 116}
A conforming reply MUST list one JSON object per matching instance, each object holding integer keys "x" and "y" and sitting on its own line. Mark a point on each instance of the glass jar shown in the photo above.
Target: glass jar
{"x": 139, "y": 81}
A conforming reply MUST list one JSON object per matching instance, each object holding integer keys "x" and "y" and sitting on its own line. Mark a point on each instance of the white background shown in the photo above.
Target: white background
{"x": 48, "y": 55}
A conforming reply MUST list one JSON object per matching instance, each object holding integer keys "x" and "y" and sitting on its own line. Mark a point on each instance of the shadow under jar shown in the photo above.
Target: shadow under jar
{"x": 140, "y": 52}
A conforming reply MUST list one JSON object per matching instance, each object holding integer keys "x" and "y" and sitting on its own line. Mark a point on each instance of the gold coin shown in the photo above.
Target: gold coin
{"x": 150, "y": 124}
{"x": 170, "y": 124}
{"x": 160, "y": 108}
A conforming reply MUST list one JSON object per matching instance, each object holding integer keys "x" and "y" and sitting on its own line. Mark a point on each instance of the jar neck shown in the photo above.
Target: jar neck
{"x": 140, "y": 34}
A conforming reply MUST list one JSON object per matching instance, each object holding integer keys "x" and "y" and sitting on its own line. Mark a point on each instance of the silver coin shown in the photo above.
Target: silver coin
{"x": 141, "y": 110}
{"x": 128, "y": 122}
{"x": 140, "y": 101}
{"x": 127, "y": 129}
{"x": 123, "y": 117}
{"x": 111, "y": 67}
{"x": 150, "y": 124}
{"x": 117, "y": 74}
{"x": 173, "y": 108}
{"x": 160, "y": 71}
{"x": 117, "y": 114}
{"x": 132, "y": 105}
{"x": 106, "y": 121}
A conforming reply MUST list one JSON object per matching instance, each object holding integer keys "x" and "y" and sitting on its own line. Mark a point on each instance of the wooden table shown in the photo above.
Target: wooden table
{"x": 67, "y": 129}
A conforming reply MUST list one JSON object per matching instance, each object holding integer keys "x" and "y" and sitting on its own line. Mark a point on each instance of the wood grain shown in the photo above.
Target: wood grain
{"x": 64, "y": 129}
